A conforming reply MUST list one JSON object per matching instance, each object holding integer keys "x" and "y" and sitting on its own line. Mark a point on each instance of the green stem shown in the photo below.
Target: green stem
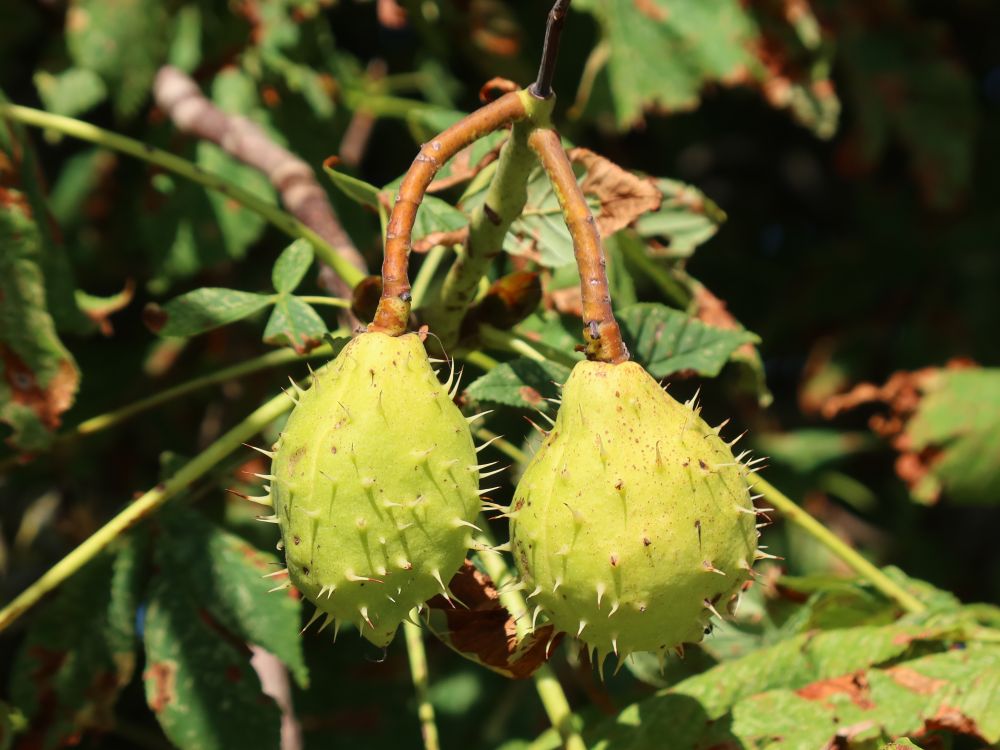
{"x": 418, "y": 671}
{"x": 425, "y": 275}
{"x": 546, "y": 683}
{"x": 320, "y": 300}
{"x": 86, "y": 132}
{"x": 477, "y": 358}
{"x": 796, "y": 515}
{"x": 490, "y": 222}
{"x": 517, "y": 343}
{"x": 117, "y": 416}
{"x": 145, "y": 506}
{"x": 383, "y": 106}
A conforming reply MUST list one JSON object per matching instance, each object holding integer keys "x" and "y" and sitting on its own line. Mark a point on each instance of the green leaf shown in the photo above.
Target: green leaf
{"x": 663, "y": 53}
{"x": 552, "y": 329}
{"x": 226, "y": 575}
{"x": 204, "y": 309}
{"x": 834, "y": 603}
{"x": 198, "y": 678}
{"x": 520, "y": 382}
{"x": 294, "y": 323}
{"x": 958, "y": 689}
{"x": 79, "y": 653}
{"x": 959, "y": 416}
{"x": 292, "y": 265}
{"x": 124, "y": 43}
{"x": 687, "y": 219}
{"x": 38, "y": 375}
{"x": 71, "y": 91}
{"x": 666, "y": 341}
{"x": 357, "y": 190}
{"x": 185, "y": 46}
{"x": 239, "y": 226}
{"x": 696, "y": 711}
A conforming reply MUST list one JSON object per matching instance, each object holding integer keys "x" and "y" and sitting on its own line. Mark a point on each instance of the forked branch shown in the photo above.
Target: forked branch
{"x": 601, "y": 332}
{"x": 394, "y": 307}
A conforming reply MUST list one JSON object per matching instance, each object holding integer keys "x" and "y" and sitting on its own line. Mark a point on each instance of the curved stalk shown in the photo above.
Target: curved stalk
{"x": 99, "y": 136}
{"x": 144, "y": 506}
{"x": 601, "y": 332}
{"x": 394, "y": 307}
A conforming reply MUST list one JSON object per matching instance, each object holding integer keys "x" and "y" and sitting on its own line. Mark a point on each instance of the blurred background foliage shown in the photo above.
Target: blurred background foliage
{"x": 850, "y": 147}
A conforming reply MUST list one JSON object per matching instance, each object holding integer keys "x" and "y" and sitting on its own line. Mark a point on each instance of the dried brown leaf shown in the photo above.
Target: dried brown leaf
{"x": 483, "y": 631}
{"x": 623, "y": 196}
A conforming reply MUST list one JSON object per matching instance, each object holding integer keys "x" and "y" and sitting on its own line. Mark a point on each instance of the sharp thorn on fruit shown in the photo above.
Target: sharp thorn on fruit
{"x": 707, "y": 565}
{"x": 711, "y": 607}
{"x": 488, "y": 443}
{"x": 315, "y": 616}
{"x": 546, "y": 417}
{"x": 454, "y": 391}
{"x": 538, "y": 429}
{"x": 364, "y": 616}
{"x": 269, "y": 454}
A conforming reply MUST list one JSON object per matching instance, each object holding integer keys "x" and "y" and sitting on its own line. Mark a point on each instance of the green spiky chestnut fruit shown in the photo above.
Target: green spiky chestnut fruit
{"x": 374, "y": 486}
{"x": 633, "y": 524}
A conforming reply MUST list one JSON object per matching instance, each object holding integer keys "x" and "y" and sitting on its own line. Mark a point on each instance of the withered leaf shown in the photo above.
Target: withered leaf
{"x": 481, "y": 630}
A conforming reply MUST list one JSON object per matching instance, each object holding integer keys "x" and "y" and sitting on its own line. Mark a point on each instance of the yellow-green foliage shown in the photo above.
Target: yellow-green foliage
{"x": 374, "y": 484}
{"x": 633, "y": 522}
